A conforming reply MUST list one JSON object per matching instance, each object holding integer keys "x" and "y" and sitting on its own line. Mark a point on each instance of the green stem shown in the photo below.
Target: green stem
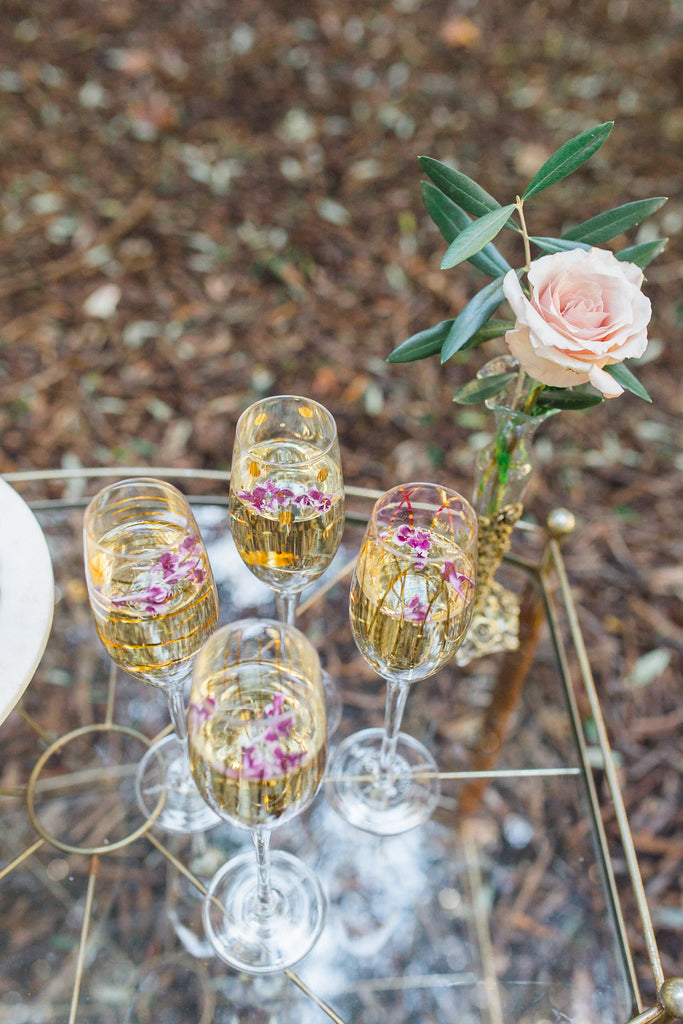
{"x": 519, "y": 202}
{"x": 519, "y": 385}
{"x": 494, "y": 502}
{"x": 495, "y": 499}
{"x": 531, "y": 399}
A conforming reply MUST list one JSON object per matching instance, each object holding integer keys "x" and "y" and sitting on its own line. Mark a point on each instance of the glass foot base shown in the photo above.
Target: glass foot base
{"x": 352, "y": 788}
{"x": 246, "y": 938}
{"x": 165, "y": 767}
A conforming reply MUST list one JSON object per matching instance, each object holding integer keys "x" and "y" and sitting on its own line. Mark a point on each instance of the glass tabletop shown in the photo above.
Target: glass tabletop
{"x": 503, "y": 914}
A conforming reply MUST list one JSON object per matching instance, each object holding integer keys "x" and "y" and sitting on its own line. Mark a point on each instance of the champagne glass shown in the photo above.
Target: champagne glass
{"x": 410, "y": 606}
{"x": 154, "y": 602}
{"x": 258, "y": 747}
{"x": 287, "y": 501}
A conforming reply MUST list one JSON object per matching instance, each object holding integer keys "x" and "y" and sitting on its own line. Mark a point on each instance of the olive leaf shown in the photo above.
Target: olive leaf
{"x": 643, "y": 253}
{"x": 451, "y": 220}
{"x": 553, "y": 245}
{"x": 421, "y": 345}
{"x": 628, "y": 380}
{"x": 568, "y": 157}
{"x": 611, "y": 223}
{"x": 457, "y": 186}
{"x": 491, "y": 329}
{"x": 452, "y": 199}
{"x": 481, "y": 388}
{"x": 476, "y": 236}
{"x": 568, "y": 398}
{"x": 473, "y": 316}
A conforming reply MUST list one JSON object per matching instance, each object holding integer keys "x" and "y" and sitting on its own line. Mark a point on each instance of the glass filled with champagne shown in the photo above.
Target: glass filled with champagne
{"x": 154, "y": 602}
{"x": 258, "y": 749}
{"x": 287, "y": 501}
{"x": 410, "y": 606}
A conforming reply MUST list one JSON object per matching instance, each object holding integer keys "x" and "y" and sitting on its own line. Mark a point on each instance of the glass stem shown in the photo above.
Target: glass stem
{"x": 176, "y": 709}
{"x": 286, "y": 605}
{"x": 393, "y": 716}
{"x": 264, "y": 894}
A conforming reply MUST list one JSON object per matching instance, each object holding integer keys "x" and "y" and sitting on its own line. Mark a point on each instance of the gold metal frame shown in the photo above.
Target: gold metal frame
{"x": 670, "y": 991}
{"x": 35, "y": 775}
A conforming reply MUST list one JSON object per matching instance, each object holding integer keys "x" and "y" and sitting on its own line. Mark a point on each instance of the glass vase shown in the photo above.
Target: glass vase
{"x": 502, "y": 472}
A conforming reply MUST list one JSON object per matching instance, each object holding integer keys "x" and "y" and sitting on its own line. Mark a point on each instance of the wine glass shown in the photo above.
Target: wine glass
{"x": 411, "y": 601}
{"x": 154, "y": 602}
{"x": 287, "y": 502}
{"x": 258, "y": 748}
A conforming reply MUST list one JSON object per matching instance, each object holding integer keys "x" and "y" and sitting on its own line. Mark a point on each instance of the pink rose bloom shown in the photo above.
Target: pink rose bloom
{"x": 586, "y": 311}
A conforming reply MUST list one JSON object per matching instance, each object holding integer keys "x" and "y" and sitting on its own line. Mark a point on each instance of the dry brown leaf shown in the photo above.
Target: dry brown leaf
{"x": 460, "y": 33}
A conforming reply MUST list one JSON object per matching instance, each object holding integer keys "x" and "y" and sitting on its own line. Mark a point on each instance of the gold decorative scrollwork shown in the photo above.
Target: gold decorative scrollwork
{"x": 494, "y": 540}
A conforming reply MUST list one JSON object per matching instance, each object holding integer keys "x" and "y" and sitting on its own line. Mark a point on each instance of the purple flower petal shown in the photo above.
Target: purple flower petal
{"x": 416, "y": 611}
{"x": 168, "y": 563}
{"x": 263, "y": 756}
{"x": 277, "y": 704}
{"x": 198, "y": 713}
{"x": 458, "y": 580}
{"x": 422, "y": 541}
{"x": 419, "y": 540}
{"x": 268, "y": 496}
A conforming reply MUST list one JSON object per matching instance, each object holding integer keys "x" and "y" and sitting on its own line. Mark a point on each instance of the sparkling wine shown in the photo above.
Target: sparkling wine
{"x": 409, "y": 614}
{"x": 286, "y": 512}
{"x": 153, "y": 599}
{"x": 258, "y": 748}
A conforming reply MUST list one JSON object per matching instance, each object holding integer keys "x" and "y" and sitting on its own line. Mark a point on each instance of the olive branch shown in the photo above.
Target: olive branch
{"x": 469, "y": 218}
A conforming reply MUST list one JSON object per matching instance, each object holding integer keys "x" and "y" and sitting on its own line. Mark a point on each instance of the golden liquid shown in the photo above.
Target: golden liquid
{"x": 383, "y": 586}
{"x": 236, "y": 792}
{"x": 286, "y": 548}
{"x": 154, "y": 646}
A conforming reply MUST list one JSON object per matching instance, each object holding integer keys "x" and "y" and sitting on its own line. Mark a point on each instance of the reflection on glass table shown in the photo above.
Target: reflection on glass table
{"x": 503, "y": 915}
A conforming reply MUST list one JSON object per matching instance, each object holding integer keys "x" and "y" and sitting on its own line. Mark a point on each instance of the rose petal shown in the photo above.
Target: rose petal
{"x": 543, "y": 370}
{"x": 604, "y": 382}
{"x": 586, "y": 310}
